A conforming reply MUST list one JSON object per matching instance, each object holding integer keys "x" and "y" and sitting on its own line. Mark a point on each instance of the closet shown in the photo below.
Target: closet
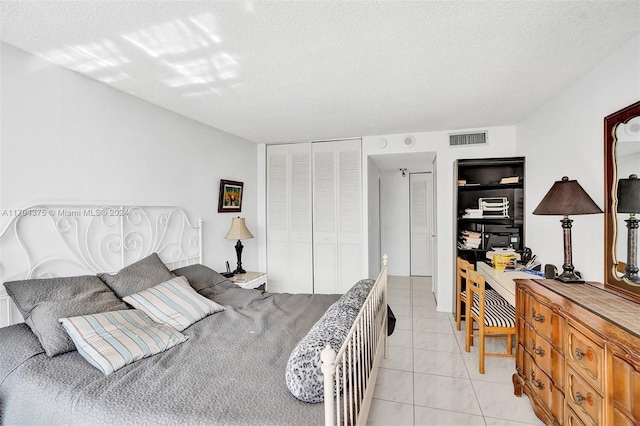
{"x": 314, "y": 216}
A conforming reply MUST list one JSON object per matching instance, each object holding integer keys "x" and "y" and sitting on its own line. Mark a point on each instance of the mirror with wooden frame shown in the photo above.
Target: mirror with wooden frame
{"x": 621, "y": 159}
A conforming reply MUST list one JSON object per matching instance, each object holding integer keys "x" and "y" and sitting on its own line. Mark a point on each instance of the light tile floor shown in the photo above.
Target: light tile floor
{"x": 429, "y": 379}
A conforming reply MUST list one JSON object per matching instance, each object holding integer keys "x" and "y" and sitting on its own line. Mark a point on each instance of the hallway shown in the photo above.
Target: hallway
{"x": 429, "y": 379}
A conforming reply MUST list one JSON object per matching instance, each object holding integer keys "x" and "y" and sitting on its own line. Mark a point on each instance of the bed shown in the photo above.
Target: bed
{"x": 234, "y": 366}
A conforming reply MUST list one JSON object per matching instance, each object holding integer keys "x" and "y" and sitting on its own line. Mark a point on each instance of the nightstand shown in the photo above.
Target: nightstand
{"x": 250, "y": 280}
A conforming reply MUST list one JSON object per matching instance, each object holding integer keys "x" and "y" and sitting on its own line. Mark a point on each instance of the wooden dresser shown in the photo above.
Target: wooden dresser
{"x": 578, "y": 353}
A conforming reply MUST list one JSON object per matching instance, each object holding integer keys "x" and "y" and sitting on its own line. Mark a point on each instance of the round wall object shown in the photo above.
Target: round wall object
{"x": 409, "y": 141}
{"x": 382, "y": 142}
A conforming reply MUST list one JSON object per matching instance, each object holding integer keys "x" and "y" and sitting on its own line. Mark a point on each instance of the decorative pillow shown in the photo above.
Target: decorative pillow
{"x": 111, "y": 340}
{"x": 174, "y": 303}
{"x": 357, "y": 294}
{"x": 43, "y": 301}
{"x": 201, "y": 277}
{"x": 303, "y": 374}
{"x": 138, "y": 276}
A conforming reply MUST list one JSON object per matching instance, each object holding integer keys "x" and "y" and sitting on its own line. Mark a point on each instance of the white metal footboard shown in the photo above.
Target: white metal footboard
{"x": 350, "y": 375}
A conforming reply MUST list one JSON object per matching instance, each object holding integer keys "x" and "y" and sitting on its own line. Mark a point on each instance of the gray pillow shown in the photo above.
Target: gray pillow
{"x": 43, "y": 301}
{"x": 201, "y": 277}
{"x": 138, "y": 276}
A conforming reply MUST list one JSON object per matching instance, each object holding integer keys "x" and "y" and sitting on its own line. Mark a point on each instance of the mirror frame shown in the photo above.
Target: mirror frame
{"x": 612, "y": 282}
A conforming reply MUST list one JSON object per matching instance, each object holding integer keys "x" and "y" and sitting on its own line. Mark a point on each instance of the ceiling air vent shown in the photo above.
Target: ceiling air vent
{"x": 463, "y": 139}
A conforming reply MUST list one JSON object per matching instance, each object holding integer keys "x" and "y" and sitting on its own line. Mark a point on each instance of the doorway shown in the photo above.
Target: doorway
{"x": 390, "y": 205}
{"x": 421, "y": 223}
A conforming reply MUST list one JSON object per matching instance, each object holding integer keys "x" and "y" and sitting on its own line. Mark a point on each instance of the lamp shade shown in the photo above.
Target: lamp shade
{"x": 629, "y": 195}
{"x": 566, "y": 197}
{"x": 238, "y": 230}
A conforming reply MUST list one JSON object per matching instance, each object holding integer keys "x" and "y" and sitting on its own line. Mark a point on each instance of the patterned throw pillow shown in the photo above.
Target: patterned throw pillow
{"x": 303, "y": 375}
{"x": 111, "y": 340}
{"x": 174, "y": 303}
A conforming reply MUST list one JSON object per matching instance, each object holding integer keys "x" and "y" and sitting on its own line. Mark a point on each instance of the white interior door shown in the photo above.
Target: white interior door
{"x": 421, "y": 189}
{"x": 337, "y": 215}
{"x": 289, "y": 249}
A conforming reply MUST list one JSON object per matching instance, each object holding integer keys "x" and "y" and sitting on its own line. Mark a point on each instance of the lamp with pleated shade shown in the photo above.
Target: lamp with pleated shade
{"x": 238, "y": 231}
{"x": 566, "y": 197}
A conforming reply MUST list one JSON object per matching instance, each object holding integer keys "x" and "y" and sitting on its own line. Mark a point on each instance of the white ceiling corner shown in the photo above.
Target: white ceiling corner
{"x": 291, "y": 71}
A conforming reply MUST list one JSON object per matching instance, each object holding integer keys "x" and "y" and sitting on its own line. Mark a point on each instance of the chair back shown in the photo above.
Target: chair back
{"x": 475, "y": 286}
{"x": 463, "y": 268}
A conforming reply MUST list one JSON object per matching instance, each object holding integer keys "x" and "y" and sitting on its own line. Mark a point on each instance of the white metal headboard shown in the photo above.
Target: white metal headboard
{"x": 65, "y": 240}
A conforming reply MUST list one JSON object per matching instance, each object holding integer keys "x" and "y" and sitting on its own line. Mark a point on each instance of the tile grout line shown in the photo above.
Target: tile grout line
{"x": 413, "y": 359}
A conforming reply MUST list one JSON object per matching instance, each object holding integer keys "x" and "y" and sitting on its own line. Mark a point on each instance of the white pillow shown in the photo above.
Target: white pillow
{"x": 174, "y": 303}
{"x": 111, "y": 340}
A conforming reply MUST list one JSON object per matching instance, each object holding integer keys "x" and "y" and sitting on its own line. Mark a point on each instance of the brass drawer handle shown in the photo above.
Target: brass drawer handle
{"x": 589, "y": 356}
{"x": 581, "y": 398}
{"x": 537, "y": 317}
{"x": 536, "y": 382}
{"x": 539, "y": 351}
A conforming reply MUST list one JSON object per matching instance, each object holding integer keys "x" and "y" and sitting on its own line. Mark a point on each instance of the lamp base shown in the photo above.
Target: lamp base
{"x": 239, "y": 269}
{"x": 569, "y": 278}
{"x": 633, "y": 278}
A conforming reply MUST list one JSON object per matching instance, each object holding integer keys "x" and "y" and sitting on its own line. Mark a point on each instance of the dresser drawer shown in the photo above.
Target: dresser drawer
{"x": 539, "y": 317}
{"x": 572, "y": 419}
{"x": 586, "y": 357}
{"x": 545, "y": 322}
{"x": 584, "y": 400}
{"x": 547, "y": 394}
{"x": 538, "y": 380}
{"x": 625, "y": 381}
{"x": 620, "y": 419}
{"x": 540, "y": 350}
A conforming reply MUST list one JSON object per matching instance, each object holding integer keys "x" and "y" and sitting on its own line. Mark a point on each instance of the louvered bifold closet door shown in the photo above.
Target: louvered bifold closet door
{"x": 337, "y": 215}
{"x": 289, "y": 247}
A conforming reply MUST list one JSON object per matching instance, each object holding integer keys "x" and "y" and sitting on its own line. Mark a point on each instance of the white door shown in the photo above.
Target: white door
{"x": 421, "y": 189}
{"x": 289, "y": 249}
{"x": 337, "y": 215}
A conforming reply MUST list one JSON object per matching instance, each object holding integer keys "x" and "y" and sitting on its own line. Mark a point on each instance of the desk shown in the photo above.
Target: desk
{"x": 502, "y": 281}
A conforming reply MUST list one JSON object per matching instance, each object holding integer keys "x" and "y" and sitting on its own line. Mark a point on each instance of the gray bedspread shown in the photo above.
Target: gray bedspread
{"x": 230, "y": 371}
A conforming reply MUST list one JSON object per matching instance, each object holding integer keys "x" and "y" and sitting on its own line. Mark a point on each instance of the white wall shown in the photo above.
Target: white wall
{"x": 564, "y": 137}
{"x": 501, "y": 144}
{"x": 66, "y": 138}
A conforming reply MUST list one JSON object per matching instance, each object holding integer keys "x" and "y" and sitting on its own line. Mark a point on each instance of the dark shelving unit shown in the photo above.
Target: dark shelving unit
{"x": 482, "y": 177}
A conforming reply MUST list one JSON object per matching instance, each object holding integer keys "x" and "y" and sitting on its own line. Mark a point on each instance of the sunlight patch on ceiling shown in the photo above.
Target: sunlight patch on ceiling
{"x": 88, "y": 58}
{"x": 186, "y": 53}
{"x": 174, "y": 37}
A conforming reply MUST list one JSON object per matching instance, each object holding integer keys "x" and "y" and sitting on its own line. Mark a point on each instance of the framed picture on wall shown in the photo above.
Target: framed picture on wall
{"x": 230, "y": 199}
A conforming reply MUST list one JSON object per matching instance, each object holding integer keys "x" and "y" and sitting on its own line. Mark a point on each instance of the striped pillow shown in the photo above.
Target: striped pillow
{"x": 111, "y": 340}
{"x": 174, "y": 303}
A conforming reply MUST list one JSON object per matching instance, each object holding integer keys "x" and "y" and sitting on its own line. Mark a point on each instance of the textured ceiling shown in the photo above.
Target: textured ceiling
{"x": 292, "y": 71}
